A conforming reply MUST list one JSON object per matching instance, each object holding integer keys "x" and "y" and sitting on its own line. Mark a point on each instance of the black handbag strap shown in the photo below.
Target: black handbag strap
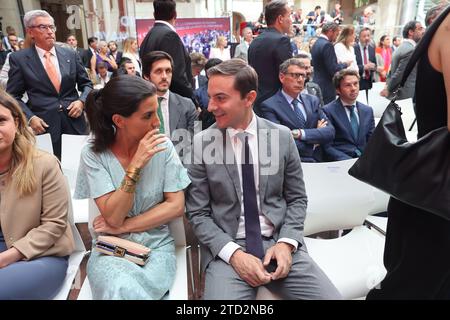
{"x": 422, "y": 46}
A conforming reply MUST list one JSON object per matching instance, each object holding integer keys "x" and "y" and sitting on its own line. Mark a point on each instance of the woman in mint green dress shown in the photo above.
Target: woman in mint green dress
{"x": 137, "y": 180}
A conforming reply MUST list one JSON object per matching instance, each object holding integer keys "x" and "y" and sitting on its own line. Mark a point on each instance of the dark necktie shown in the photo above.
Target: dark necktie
{"x": 367, "y": 72}
{"x": 353, "y": 122}
{"x": 299, "y": 113}
{"x": 253, "y": 238}
{"x": 160, "y": 116}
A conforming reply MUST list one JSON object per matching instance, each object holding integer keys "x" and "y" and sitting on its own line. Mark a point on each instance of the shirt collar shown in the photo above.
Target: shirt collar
{"x": 41, "y": 51}
{"x": 165, "y": 96}
{"x": 324, "y": 36}
{"x": 288, "y": 98}
{"x": 410, "y": 41}
{"x": 343, "y": 104}
{"x": 251, "y": 129}
{"x": 167, "y": 24}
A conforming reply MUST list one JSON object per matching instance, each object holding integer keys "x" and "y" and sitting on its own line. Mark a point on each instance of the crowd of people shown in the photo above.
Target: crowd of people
{"x": 145, "y": 167}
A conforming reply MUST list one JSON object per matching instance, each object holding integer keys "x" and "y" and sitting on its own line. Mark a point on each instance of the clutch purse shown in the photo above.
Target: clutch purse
{"x": 118, "y": 247}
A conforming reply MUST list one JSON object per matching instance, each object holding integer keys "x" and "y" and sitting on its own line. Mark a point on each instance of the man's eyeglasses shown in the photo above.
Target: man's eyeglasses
{"x": 43, "y": 27}
{"x": 296, "y": 76}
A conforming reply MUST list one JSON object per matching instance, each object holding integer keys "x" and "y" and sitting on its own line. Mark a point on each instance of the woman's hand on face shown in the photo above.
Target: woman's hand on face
{"x": 148, "y": 147}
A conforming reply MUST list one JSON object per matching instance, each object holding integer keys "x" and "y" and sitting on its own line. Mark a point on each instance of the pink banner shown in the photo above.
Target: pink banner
{"x": 197, "y": 34}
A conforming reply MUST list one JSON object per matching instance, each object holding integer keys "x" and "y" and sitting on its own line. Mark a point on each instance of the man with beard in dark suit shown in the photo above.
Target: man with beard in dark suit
{"x": 163, "y": 37}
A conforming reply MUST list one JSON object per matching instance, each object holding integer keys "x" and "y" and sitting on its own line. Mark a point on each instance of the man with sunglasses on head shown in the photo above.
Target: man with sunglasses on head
{"x": 299, "y": 111}
{"x": 52, "y": 77}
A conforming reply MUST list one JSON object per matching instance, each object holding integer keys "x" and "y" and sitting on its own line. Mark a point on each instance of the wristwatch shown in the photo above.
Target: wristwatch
{"x": 296, "y": 133}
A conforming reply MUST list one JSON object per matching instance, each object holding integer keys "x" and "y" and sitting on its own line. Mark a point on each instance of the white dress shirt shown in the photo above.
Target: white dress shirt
{"x": 344, "y": 54}
{"x": 53, "y": 57}
{"x": 267, "y": 227}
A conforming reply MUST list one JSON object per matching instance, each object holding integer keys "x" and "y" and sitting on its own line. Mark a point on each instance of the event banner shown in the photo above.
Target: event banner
{"x": 197, "y": 34}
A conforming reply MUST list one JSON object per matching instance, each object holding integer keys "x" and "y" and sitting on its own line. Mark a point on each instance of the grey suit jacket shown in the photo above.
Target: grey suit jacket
{"x": 400, "y": 59}
{"x": 182, "y": 115}
{"x": 241, "y": 52}
{"x": 213, "y": 200}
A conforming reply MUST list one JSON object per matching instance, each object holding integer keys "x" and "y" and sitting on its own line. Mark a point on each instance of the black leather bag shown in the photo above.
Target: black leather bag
{"x": 417, "y": 173}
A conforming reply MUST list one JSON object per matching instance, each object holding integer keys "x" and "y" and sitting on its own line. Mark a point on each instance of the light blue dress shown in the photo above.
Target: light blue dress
{"x": 114, "y": 278}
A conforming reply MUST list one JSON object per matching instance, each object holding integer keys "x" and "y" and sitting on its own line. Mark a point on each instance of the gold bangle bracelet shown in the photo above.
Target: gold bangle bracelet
{"x": 128, "y": 186}
{"x": 134, "y": 177}
{"x": 134, "y": 170}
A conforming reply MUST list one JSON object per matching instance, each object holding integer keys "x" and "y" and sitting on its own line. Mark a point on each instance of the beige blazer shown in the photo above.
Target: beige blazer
{"x": 36, "y": 224}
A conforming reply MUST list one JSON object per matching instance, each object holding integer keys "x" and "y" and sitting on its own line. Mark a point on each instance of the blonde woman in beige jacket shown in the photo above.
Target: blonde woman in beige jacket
{"x": 35, "y": 238}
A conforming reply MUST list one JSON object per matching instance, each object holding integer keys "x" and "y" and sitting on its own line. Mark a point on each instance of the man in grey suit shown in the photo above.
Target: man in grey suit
{"x": 176, "y": 113}
{"x": 412, "y": 33}
{"x": 247, "y": 199}
{"x": 242, "y": 49}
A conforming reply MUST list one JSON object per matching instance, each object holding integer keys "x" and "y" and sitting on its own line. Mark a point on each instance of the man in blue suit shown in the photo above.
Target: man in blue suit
{"x": 299, "y": 112}
{"x": 52, "y": 77}
{"x": 353, "y": 121}
{"x": 325, "y": 62}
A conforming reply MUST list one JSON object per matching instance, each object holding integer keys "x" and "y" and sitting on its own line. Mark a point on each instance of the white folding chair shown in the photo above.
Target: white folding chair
{"x": 179, "y": 290}
{"x": 71, "y": 146}
{"x": 44, "y": 142}
{"x": 336, "y": 201}
{"x": 75, "y": 258}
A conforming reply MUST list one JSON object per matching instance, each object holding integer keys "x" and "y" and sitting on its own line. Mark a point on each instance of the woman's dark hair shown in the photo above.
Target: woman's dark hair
{"x": 121, "y": 95}
{"x": 381, "y": 43}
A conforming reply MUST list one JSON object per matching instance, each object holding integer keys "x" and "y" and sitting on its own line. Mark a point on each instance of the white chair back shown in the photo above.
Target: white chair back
{"x": 44, "y": 142}
{"x": 71, "y": 146}
{"x": 377, "y": 102}
{"x": 75, "y": 258}
{"x": 348, "y": 201}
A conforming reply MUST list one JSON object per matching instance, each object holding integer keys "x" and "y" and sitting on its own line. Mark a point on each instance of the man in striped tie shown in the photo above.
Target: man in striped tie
{"x": 51, "y": 76}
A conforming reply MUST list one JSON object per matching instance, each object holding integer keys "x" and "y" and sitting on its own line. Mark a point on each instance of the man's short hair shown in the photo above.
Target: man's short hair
{"x": 198, "y": 59}
{"x": 92, "y": 40}
{"x": 245, "y": 77}
{"x": 102, "y": 64}
{"x": 364, "y": 30}
{"x": 340, "y": 75}
{"x": 303, "y": 56}
{"x": 433, "y": 13}
{"x": 30, "y": 16}
{"x": 164, "y": 9}
{"x": 150, "y": 58}
{"x": 274, "y": 9}
{"x": 291, "y": 62}
{"x": 329, "y": 26}
{"x": 409, "y": 26}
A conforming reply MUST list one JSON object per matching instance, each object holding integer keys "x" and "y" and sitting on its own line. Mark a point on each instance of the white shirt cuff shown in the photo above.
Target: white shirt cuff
{"x": 291, "y": 242}
{"x": 228, "y": 250}
{"x": 30, "y": 120}
{"x": 303, "y": 137}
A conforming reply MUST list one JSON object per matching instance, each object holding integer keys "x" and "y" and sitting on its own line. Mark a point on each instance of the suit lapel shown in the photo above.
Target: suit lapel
{"x": 174, "y": 111}
{"x": 263, "y": 145}
{"x": 230, "y": 164}
{"x": 64, "y": 65}
{"x": 286, "y": 107}
{"x": 36, "y": 66}
{"x": 361, "y": 115}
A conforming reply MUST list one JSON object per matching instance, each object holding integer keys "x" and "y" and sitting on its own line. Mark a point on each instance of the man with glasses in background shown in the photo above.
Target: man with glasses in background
{"x": 50, "y": 75}
{"x": 299, "y": 111}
